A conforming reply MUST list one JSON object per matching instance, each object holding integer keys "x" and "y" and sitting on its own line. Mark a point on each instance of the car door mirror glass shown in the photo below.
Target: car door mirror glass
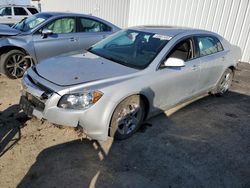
{"x": 46, "y": 32}
{"x": 174, "y": 62}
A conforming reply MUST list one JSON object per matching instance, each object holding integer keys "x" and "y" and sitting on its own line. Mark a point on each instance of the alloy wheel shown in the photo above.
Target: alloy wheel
{"x": 129, "y": 118}
{"x": 226, "y": 82}
{"x": 16, "y": 65}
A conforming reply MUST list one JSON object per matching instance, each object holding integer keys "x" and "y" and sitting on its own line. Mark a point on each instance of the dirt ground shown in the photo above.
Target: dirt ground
{"x": 205, "y": 144}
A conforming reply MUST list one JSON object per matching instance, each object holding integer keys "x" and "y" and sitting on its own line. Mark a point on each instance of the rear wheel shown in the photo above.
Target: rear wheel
{"x": 224, "y": 83}
{"x": 127, "y": 117}
{"x": 14, "y": 64}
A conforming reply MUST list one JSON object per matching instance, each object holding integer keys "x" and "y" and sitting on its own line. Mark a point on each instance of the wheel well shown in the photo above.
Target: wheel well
{"x": 232, "y": 68}
{"x": 147, "y": 105}
{"x": 144, "y": 99}
{"x": 6, "y": 49}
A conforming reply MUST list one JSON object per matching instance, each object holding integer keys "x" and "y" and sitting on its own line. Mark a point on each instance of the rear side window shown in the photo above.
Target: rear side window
{"x": 5, "y": 11}
{"x": 32, "y": 10}
{"x": 19, "y": 11}
{"x": 209, "y": 45}
{"x": 90, "y": 25}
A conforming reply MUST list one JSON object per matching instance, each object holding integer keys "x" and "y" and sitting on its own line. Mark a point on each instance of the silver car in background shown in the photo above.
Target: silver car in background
{"x": 45, "y": 35}
{"x": 128, "y": 77}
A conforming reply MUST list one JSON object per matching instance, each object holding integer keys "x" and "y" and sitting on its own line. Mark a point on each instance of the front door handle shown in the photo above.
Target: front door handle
{"x": 73, "y": 39}
{"x": 9, "y": 17}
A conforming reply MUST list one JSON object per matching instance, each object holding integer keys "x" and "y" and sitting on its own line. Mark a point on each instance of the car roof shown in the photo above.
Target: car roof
{"x": 13, "y": 5}
{"x": 64, "y": 14}
{"x": 167, "y": 30}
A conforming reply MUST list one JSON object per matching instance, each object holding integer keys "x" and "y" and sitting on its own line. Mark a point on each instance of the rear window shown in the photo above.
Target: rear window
{"x": 209, "y": 45}
{"x": 33, "y": 10}
{"x": 90, "y": 25}
{"x": 19, "y": 11}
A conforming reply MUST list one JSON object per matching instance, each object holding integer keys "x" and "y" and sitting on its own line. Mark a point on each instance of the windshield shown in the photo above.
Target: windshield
{"x": 131, "y": 48}
{"x": 31, "y": 22}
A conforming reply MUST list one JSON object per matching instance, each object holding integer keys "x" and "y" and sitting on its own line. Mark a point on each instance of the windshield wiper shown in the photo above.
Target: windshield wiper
{"x": 116, "y": 60}
{"x": 122, "y": 62}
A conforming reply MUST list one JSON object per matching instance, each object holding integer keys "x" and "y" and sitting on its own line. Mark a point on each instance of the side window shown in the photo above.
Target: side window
{"x": 32, "y": 10}
{"x": 183, "y": 50}
{"x": 19, "y": 11}
{"x": 209, "y": 45}
{"x": 90, "y": 25}
{"x": 5, "y": 11}
{"x": 63, "y": 25}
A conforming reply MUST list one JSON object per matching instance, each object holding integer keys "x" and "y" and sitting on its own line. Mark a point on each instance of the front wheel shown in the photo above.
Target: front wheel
{"x": 224, "y": 83}
{"x": 14, "y": 64}
{"x": 127, "y": 117}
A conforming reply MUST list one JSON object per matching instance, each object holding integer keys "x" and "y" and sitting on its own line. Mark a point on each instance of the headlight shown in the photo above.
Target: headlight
{"x": 79, "y": 101}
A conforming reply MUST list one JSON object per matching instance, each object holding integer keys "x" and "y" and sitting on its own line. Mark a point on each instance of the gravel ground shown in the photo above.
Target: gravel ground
{"x": 204, "y": 144}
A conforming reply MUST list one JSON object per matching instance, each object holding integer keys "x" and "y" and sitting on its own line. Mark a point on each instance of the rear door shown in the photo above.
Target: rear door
{"x": 61, "y": 41}
{"x": 90, "y": 31}
{"x": 19, "y": 14}
{"x": 211, "y": 55}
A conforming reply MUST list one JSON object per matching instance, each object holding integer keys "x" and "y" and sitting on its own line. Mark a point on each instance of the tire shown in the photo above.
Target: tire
{"x": 127, "y": 118}
{"x": 13, "y": 64}
{"x": 224, "y": 83}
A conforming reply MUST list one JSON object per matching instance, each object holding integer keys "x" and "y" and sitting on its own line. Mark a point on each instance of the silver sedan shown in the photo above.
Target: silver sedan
{"x": 45, "y": 35}
{"x": 112, "y": 88}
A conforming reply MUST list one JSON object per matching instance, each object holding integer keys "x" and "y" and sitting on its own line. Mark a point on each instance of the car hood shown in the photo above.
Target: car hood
{"x": 80, "y": 68}
{"x": 6, "y": 30}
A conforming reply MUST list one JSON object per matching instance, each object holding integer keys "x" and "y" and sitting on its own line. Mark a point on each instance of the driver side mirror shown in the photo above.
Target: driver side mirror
{"x": 174, "y": 62}
{"x": 46, "y": 32}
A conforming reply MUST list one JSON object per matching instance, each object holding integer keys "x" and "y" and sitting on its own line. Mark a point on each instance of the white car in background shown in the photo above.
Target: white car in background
{"x": 11, "y": 14}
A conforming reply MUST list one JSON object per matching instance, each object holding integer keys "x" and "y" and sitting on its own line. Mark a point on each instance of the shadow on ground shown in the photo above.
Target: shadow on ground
{"x": 10, "y": 123}
{"x": 205, "y": 144}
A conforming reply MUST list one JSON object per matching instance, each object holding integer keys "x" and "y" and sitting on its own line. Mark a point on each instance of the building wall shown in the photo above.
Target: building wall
{"x": 16, "y": 2}
{"x": 115, "y": 11}
{"x": 230, "y": 18}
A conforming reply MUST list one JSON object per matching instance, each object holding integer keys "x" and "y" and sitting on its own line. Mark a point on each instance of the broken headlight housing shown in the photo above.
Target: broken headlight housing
{"x": 79, "y": 101}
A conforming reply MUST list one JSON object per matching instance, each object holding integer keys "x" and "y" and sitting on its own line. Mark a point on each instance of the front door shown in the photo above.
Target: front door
{"x": 62, "y": 40}
{"x": 175, "y": 84}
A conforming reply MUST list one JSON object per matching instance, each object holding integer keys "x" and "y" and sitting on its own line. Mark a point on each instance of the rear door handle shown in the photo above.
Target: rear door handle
{"x": 195, "y": 67}
{"x": 9, "y": 17}
{"x": 223, "y": 58}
